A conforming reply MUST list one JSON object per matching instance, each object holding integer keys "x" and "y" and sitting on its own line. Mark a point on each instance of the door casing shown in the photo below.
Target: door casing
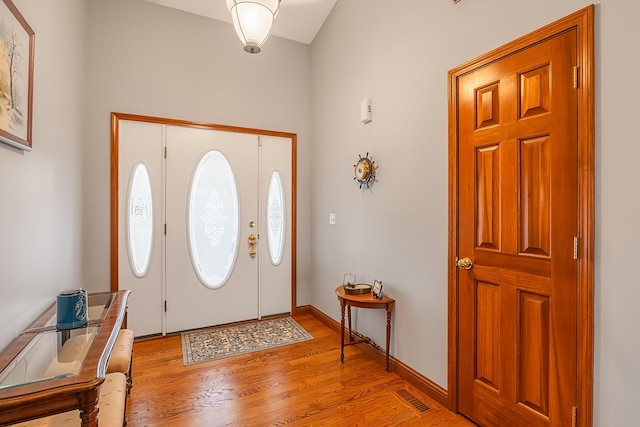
{"x": 114, "y": 208}
{"x": 583, "y": 22}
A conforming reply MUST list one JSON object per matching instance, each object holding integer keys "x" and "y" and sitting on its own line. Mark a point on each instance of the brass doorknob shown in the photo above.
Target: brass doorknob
{"x": 464, "y": 263}
{"x": 252, "y": 240}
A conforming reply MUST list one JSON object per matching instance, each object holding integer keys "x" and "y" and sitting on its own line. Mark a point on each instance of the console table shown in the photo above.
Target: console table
{"x": 38, "y": 379}
{"x": 362, "y": 301}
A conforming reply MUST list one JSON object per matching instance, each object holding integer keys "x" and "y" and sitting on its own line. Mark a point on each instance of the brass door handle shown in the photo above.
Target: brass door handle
{"x": 464, "y": 263}
{"x": 253, "y": 241}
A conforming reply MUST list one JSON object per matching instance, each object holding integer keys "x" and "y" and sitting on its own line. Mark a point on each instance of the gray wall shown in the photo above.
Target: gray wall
{"x": 399, "y": 53}
{"x": 41, "y": 190}
{"x": 151, "y": 60}
{"x": 145, "y": 59}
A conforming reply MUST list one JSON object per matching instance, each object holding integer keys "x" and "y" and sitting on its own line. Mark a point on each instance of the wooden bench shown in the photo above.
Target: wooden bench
{"x": 121, "y": 356}
{"x": 111, "y": 404}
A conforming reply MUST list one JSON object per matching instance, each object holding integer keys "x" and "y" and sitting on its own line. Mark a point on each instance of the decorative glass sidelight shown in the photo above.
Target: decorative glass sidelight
{"x": 276, "y": 218}
{"x": 213, "y": 219}
{"x": 140, "y": 221}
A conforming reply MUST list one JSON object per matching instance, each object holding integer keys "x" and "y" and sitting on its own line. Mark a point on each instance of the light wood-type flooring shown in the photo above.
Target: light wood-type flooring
{"x": 301, "y": 384}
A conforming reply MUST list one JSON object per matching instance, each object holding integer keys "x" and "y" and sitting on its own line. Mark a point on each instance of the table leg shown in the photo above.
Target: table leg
{"x": 349, "y": 314}
{"x": 342, "y": 331}
{"x": 89, "y": 408}
{"x": 388, "y": 338}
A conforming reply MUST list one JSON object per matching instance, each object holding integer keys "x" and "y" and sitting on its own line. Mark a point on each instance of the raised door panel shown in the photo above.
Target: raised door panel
{"x": 535, "y": 92}
{"x": 488, "y": 105}
{"x": 488, "y": 330}
{"x": 533, "y": 352}
{"x": 535, "y": 196}
{"x": 488, "y": 197}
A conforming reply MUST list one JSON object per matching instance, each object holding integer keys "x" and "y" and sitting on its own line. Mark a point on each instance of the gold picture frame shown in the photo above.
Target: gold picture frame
{"x": 16, "y": 77}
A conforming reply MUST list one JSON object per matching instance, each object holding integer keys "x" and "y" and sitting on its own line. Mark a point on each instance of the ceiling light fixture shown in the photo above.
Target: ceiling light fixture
{"x": 252, "y": 20}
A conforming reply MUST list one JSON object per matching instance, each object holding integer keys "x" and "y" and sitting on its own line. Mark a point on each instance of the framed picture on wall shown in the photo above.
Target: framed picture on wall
{"x": 16, "y": 77}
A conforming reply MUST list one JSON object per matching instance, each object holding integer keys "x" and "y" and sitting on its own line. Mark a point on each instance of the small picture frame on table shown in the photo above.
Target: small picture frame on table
{"x": 376, "y": 291}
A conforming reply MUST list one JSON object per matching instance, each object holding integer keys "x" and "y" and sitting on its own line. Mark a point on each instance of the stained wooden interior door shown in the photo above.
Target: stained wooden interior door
{"x": 517, "y": 219}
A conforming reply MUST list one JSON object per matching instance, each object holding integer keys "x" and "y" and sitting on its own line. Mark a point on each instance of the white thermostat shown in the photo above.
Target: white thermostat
{"x": 366, "y": 113}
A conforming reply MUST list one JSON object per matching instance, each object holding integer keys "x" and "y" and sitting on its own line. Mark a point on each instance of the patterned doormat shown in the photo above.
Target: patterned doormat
{"x": 203, "y": 345}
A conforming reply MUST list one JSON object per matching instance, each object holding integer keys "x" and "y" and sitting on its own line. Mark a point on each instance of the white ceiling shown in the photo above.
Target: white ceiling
{"x": 298, "y": 20}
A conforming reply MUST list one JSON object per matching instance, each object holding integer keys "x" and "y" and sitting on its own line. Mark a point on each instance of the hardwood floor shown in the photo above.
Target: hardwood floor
{"x": 301, "y": 384}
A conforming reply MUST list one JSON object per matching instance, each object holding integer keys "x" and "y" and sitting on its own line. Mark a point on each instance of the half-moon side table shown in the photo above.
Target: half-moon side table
{"x": 362, "y": 301}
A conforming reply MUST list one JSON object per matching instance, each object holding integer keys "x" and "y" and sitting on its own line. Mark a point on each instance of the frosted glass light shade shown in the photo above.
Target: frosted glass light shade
{"x": 252, "y": 20}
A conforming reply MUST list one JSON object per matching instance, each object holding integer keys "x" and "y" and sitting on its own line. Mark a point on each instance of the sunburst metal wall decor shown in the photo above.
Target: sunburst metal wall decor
{"x": 365, "y": 171}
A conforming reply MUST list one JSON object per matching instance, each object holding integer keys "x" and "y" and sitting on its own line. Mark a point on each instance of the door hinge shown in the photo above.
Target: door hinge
{"x": 165, "y": 229}
{"x": 574, "y": 416}
{"x": 165, "y": 306}
{"x": 575, "y": 76}
{"x": 165, "y": 152}
{"x": 575, "y": 248}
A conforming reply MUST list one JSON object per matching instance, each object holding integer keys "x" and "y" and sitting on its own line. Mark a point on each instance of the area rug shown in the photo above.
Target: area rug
{"x": 203, "y": 345}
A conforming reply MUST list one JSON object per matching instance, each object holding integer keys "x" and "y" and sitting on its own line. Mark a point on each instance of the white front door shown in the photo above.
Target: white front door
{"x": 189, "y": 198}
{"x": 212, "y": 209}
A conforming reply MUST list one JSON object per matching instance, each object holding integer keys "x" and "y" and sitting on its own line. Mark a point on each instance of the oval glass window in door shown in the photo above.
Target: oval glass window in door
{"x": 213, "y": 219}
{"x": 139, "y": 220}
{"x": 276, "y": 218}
